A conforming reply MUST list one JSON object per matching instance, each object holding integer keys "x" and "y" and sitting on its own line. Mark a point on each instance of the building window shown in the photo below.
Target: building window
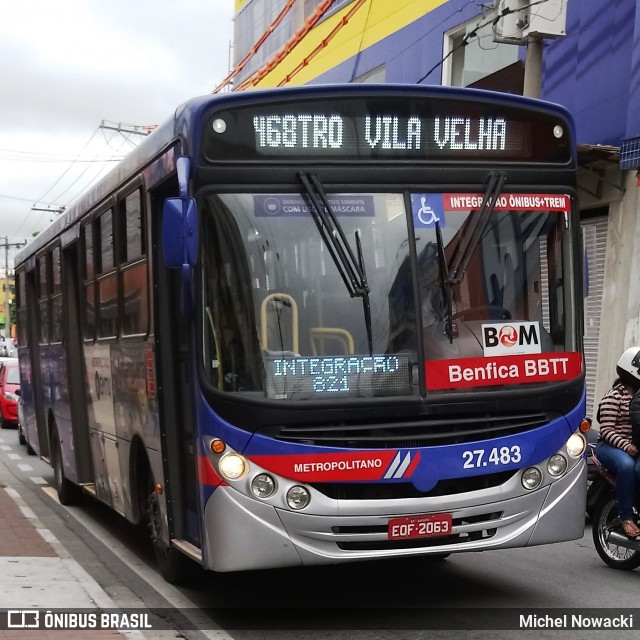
{"x": 375, "y": 75}
{"x": 472, "y": 58}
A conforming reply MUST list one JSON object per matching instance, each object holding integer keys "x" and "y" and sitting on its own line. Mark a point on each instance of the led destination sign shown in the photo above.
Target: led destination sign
{"x": 387, "y": 132}
{"x": 299, "y": 378}
{"x": 380, "y": 128}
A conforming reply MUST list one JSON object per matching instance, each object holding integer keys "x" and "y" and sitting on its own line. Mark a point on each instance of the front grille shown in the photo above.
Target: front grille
{"x": 391, "y": 491}
{"x": 419, "y": 543}
{"x": 410, "y": 433}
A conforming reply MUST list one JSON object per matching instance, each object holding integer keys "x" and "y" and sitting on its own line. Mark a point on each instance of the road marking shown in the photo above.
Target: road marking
{"x": 38, "y": 480}
{"x": 27, "y": 512}
{"x": 25, "y": 467}
{"x": 14, "y": 456}
{"x": 91, "y": 588}
{"x": 172, "y": 595}
{"x": 47, "y": 535}
{"x": 5, "y": 447}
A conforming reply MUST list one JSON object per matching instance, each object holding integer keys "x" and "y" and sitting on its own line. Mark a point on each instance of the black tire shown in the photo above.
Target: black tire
{"x": 606, "y": 519}
{"x": 21, "y": 438}
{"x": 174, "y": 566}
{"x": 68, "y": 492}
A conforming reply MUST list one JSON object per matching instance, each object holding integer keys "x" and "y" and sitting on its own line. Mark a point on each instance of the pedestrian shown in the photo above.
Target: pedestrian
{"x": 615, "y": 448}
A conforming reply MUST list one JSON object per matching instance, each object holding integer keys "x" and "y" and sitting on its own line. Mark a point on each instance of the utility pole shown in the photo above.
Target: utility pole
{"x": 533, "y": 67}
{"x": 523, "y": 22}
{"x": 4, "y": 242}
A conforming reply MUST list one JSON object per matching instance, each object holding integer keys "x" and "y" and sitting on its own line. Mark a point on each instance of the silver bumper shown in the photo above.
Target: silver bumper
{"x": 245, "y": 533}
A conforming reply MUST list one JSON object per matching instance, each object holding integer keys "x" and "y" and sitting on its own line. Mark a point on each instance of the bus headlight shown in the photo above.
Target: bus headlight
{"x": 298, "y": 497}
{"x": 531, "y": 478}
{"x": 576, "y": 445}
{"x": 556, "y": 465}
{"x": 232, "y": 466}
{"x": 263, "y": 485}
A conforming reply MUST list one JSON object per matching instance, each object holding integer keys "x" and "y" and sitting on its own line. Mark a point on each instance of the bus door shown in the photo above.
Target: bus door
{"x": 76, "y": 363}
{"x": 174, "y": 361}
{"x": 34, "y": 330}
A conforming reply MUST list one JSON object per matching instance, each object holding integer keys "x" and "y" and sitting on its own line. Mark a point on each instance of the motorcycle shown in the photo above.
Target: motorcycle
{"x": 613, "y": 546}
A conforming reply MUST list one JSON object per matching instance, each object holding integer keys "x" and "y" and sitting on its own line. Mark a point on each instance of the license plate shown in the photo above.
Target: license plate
{"x": 426, "y": 526}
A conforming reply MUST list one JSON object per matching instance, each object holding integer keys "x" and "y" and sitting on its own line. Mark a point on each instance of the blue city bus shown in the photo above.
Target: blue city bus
{"x": 316, "y": 325}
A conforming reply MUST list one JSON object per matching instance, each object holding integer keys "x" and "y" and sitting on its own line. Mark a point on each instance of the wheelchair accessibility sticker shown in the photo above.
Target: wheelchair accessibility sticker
{"x": 428, "y": 208}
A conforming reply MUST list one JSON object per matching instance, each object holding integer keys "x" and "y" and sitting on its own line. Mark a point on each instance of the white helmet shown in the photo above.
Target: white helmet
{"x": 629, "y": 365}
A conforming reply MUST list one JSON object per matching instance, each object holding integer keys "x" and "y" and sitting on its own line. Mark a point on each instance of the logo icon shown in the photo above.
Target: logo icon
{"x": 402, "y": 465}
{"x": 511, "y": 339}
{"x": 508, "y": 336}
{"x": 23, "y": 619}
{"x": 427, "y": 210}
{"x": 272, "y": 206}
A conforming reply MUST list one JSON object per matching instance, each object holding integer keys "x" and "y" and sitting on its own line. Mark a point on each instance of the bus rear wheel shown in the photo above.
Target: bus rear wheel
{"x": 68, "y": 492}
{"x": 174, "y": 567}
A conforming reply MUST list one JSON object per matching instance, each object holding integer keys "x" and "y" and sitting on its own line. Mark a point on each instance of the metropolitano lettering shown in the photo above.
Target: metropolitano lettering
{"x": 318, "y": 131}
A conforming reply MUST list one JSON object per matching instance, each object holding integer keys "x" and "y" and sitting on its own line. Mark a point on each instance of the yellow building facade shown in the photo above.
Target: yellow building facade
{"x": 314, "y": 38}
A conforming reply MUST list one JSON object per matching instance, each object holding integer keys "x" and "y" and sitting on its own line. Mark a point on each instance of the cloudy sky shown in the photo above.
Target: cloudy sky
{"x": 68, "y": 65}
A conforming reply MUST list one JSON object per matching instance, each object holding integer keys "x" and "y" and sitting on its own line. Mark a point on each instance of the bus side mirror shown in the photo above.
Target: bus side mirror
{"x": 180, "y": 223}
{"x": 179, "y": 232}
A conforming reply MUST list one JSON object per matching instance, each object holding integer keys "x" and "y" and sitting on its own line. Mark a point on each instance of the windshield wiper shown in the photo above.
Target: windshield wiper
{"x": 444, "y": 282}
{"x": 478, "y": 226}
{"x": 350, "y": 267}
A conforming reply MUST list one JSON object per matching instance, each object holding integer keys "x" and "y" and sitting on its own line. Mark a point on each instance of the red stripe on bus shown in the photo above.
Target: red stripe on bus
{"x": 207, "y": 475}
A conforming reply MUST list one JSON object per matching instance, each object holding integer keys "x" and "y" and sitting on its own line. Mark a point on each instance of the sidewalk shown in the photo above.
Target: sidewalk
{"x": 37, "y": 572}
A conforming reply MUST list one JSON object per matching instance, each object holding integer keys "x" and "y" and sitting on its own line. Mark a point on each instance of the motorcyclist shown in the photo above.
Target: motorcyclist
{"x": 615, "y": 448}
{"x": 634, "y": 414}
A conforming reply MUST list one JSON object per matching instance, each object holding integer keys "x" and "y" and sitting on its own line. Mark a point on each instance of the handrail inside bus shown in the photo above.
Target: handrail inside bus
{"x": 216, "y": 342}
{"x": 272, "y": 300}
{"x": 320, "y": 334}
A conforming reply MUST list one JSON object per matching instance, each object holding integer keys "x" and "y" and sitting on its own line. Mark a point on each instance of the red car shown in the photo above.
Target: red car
{"x": 9, "y": 384}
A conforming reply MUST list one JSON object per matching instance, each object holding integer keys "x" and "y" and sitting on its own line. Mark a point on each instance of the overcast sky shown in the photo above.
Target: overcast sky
{"x": 67, "y": 65}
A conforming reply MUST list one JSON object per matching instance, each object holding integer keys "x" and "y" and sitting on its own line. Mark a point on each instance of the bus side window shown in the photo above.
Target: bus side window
{"x": 43, "y": 296}
{"x": 133, "y": 270}
{"x": 107, "y": 321}
{"x": 88, "y": 278}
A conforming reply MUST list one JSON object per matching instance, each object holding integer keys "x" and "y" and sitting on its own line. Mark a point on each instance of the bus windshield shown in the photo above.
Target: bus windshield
{"x": 278, "y": 319}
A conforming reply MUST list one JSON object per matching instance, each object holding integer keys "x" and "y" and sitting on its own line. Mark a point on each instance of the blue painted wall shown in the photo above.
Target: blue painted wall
{"x": 594, "y": 71}
{"x": 633, "y": 112}
{"x": 588, "y": 70}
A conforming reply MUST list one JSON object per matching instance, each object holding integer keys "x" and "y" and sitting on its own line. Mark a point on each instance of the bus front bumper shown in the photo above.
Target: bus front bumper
{"x": 245, "y": 533}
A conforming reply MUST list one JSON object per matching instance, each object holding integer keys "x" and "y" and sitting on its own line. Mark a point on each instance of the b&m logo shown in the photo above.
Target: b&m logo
{"x": 511, "y": 339}
{"x": 507, "y": 336}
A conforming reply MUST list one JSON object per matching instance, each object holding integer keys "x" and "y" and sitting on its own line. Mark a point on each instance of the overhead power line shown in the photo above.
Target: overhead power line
{"x": 474, "y": 32}
{"x": 122, "y": 133}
